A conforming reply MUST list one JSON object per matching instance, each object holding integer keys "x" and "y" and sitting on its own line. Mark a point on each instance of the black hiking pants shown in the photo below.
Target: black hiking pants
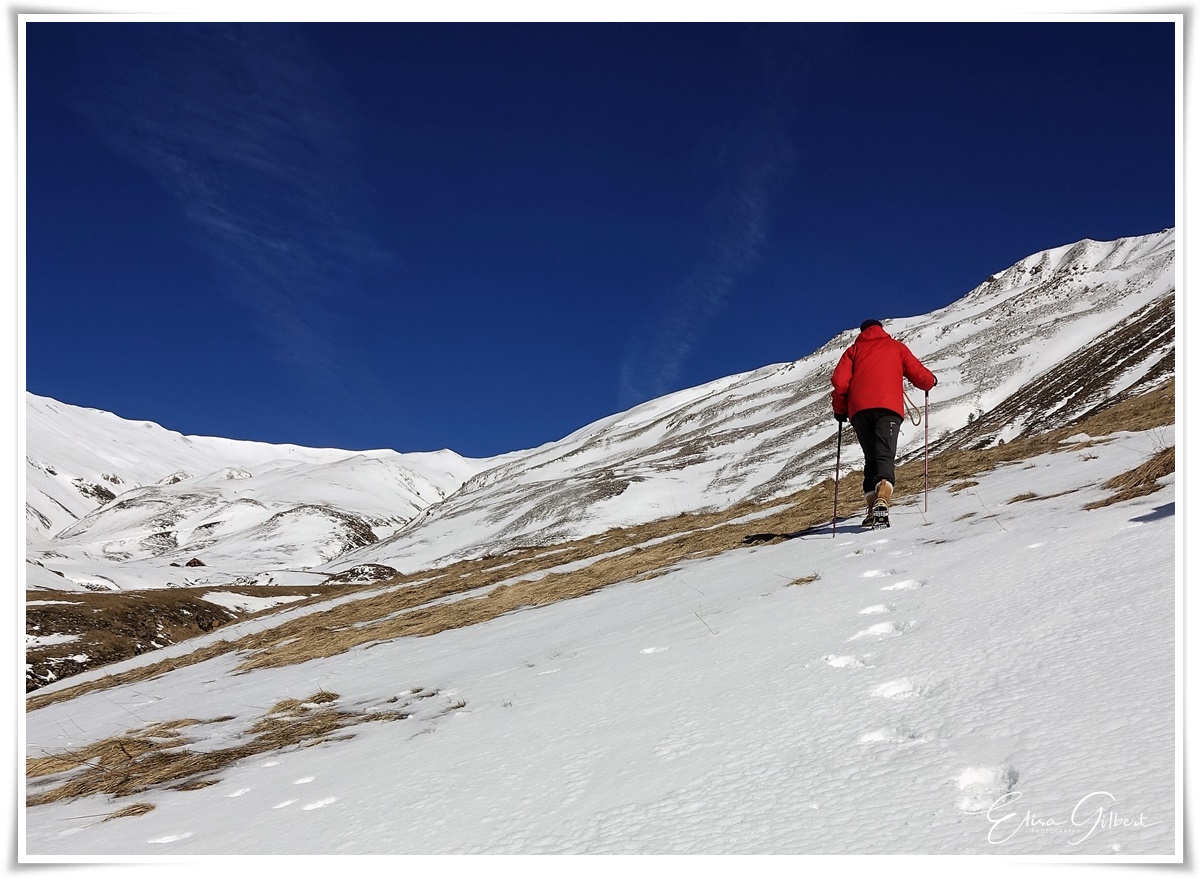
{"x": 878, "y": 432}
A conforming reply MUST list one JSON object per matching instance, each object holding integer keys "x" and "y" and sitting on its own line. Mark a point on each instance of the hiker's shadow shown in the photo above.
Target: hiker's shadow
{"x": 1165, "y": 511}
{"x": 817, "y": 531}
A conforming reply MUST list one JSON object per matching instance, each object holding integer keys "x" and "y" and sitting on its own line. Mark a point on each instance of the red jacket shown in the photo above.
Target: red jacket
{"x": 868, "y": 376}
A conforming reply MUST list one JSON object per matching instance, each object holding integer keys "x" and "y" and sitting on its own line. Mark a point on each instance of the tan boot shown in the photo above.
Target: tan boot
{"x": 883, "y": 499}
{"x": 869, "y": 521}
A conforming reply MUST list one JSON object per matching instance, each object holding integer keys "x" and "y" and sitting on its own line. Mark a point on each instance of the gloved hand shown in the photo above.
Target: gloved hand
{"x": 841, "y": 419}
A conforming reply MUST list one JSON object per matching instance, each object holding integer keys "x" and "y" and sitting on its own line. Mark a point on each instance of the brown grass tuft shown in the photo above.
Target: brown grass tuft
{"x": 1139, "y": 481}
{"x": 158, "y": 756}
{"x": 1022, "y": 497}
{"x": 131, "y": 811}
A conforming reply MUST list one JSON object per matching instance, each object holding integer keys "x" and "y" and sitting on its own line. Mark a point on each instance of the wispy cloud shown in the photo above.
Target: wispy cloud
{"x": 239, "y": 124}
{"x": 755, "y": 161}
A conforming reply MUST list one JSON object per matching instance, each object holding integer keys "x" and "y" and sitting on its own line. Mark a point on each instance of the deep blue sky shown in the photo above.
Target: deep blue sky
{"x": 483, "y": 237}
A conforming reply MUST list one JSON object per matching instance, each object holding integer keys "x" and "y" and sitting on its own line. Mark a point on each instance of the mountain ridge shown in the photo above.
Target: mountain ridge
{"x": 1058, "y": 333}
{"x": 768, "y": 432}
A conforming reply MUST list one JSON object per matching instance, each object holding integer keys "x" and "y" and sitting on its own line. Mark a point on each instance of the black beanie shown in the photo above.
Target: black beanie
{"x": 867, "y": 324}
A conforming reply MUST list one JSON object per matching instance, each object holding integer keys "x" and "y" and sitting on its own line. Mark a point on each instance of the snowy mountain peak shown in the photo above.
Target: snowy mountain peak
{"x": 1083, "y": 256}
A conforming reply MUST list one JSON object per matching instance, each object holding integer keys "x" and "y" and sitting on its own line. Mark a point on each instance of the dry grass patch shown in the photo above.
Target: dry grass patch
{"x": 131, "y": 811}
{"x": 1139, "y": 481}
{"x": 1135, "y": 413}
{"x": 158, "y": 757}
{"x": 191, "y": 785}
{"x": 653, "y": 574}
{"x": 1057, "y": 494}
{"x": 805, "y": 580}
{"x": 1020, "y": 498}
{"x": 112, "y": 750}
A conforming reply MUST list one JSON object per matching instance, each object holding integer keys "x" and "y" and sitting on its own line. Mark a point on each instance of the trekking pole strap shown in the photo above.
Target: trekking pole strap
{"x": 914, "y": 413}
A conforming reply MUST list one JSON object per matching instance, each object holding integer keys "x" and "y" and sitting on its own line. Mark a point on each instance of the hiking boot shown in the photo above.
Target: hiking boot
{"x": 879, "y": 509}
{"x": 869, "y": 521}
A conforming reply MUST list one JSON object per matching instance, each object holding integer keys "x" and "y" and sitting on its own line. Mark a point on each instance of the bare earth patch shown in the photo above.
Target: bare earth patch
{"x": 109, "y": 627}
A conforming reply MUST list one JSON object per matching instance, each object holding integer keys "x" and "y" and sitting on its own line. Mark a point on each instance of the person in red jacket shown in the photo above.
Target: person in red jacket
{"x": 868, "y": 391}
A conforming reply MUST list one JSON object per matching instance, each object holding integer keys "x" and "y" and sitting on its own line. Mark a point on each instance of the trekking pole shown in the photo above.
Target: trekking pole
{"x": 927, "y": 451}
{"x": 837, "y": 477}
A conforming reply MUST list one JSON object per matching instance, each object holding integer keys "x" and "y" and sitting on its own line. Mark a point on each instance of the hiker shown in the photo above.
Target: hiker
{"x": 868, "y": 391}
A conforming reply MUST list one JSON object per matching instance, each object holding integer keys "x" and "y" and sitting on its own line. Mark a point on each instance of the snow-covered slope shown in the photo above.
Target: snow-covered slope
{"x": 995, "y": 675}
{"x": 115, "y": 504}
{"x": 1043, "y": 343}
{"x": 1035, "y": 346}
{"x": 989, "y": 677}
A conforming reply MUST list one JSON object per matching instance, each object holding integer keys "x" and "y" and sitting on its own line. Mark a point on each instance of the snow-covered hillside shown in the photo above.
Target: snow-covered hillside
{"x": 994, "y": 676}
{"x": 1044, "y": 342}
{"x": 115, "y": 504}
{"x": 568, "y": 663}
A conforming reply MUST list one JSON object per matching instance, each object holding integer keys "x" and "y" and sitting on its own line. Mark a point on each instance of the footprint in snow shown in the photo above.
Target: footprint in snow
{"x": 167, "y": 839}
{"x": 905, "y": 687}
{"x": 284, "y": 804}
{"x": 876, "y": 609}
{"x": 237, "y": 793}
{"x": 845, "y": 661}
{"x": 320, "y": 803}
{"x": 653, "y": 649}
{"x": 904, "y": 585}
{"x": 982, "y": 785}
{"x": 304, "y": 780}
{"x": 876, "y": 574}
{"x": 883, "y": 630}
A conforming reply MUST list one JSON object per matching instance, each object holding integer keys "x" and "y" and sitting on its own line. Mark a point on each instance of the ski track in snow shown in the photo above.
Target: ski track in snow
{"x": 616, "y": 724}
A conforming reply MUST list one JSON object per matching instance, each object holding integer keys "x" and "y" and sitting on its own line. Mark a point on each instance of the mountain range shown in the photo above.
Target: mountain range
{"x": 116, "y": 505}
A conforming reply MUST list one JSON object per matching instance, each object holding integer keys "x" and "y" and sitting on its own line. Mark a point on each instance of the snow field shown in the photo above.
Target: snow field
{"x": 985, "y": 652}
